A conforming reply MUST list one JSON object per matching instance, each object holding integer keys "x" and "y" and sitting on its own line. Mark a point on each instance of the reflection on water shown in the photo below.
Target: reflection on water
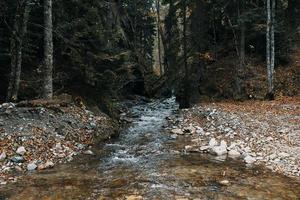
{"x": 146, "y": 163}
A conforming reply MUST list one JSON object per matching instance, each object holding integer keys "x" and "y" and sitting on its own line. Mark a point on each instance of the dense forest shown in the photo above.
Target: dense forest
{"x": 150, "y": 99}
{"x": 197, "y": 49}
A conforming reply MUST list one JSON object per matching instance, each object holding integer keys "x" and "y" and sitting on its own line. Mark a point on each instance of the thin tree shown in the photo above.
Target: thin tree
{"x": 16, "y": 49}
{"x": 270, "y": 47}
{"x": 159, "y": 37}
{"x": 242, "y": 55}
{"x": 47, "y": 90}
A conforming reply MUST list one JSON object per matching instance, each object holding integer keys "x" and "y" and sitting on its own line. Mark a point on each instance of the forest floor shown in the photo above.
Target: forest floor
{"x": 259, "y": 132}
{"x": 40, "y": 136}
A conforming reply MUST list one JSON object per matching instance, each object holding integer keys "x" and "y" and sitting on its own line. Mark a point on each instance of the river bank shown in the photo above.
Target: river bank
{"x": 38, "y": 135}
{"x": 146, "y": 162}
{"x": 258, "y": 132}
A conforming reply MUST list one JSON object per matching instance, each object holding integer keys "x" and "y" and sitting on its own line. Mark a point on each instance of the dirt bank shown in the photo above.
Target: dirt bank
{"x": 258, "y": 132}
{"x": 37, "y": 135}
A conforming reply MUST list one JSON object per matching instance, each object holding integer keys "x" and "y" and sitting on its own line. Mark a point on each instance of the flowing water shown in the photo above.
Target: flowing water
{"x": 146, "y": 163}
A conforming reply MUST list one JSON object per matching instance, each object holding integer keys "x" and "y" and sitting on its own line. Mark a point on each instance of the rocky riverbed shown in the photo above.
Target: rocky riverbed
{"x": 39, "y": 137}
{"x": 147, "y": 162}
{"x": 260, "y": 133}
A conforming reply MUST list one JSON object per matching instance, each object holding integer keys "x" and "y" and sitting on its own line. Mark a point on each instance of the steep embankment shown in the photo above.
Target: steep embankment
{"x": 38, "y": 134}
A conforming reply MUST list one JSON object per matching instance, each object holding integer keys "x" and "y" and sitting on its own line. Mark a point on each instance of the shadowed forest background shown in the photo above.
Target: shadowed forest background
{"x": 103, "y": 50}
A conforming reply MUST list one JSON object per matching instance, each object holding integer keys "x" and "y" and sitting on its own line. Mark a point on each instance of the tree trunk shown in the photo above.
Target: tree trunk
{"x": 158, "y": 37}
{"x": 241, "y": 71}
{"x": 270, "y": 47}
{"x": 215, "y": 34}
{"x": 186, "y": 85}
{"x": 243, "y": 37}
{"x": 16, "y": 53}
{"x": 47, "y": 92}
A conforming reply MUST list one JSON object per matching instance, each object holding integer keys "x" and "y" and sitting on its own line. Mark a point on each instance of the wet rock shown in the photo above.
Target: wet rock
{"x": 174, "y": 136}
{"x": 80, "y": 146}
{"x": 205, "y": 148}
{"x": 7, "y": 105}
{"x": 31, "y": 166}
{"x": 177, "y": 131}
{"x": 249, "y": 159}
{"x": 2, "y": 156}
{"x": 224, "y": 182}
{"x": 88, "y": 152}
{"x": 3, "y": 182}
{"x": 234, "y": 153}
{"x": 21, "y": 151}
{"x": 17, "y": 159}
{"x": 219, "y": 150}
{"x": 48, "y": 164}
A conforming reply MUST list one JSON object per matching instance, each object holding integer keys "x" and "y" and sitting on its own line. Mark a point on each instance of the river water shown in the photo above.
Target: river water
{"x": 145, "y": 162}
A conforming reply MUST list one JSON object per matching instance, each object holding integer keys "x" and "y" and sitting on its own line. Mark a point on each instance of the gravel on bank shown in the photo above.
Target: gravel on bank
{"x": 259, "y": 132}
{"x": 39, "y": 137}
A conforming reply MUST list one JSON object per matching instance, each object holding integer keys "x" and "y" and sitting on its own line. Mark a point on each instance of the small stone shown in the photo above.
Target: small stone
{"x": 134, "y": 197}
{"x": 272, "y": 156}
{"x": 3, "y": 183}
{"x": 17, "y": 159}
{"x": 247, "y": 149}
{"x": 177, "y": 131}
{"x": 174, "y": 136}
{"x": 18, "y": 168}
{"x": 224, "y": 182}
{"x": 234, "y": 153}
{"x": 80, "y": 146}
{"x": 282, "y": 155}
{"x": 2, "y": 156}
{"x": 190, "y": 148}
{"x": 207, "y": 133}
{"x": 88, "y": 152}
{"x": 199, "y": 130}
{"x": 21, "y": 151}
{"x": 277, "y": 160}
{"x": 219, "y": 150}
{"x": 48, "y": 164}
{"x": 58, "y": 146}
{"x": 232, "y": 146}
{"x": 31, "y": 166}
{"x": 213, "y": 142}
{"x": 249, "y": 159}
{"x": 204, "y": 148}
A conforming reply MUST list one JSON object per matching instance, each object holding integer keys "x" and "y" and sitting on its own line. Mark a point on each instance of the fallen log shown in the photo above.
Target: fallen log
{"x": 61, "y": 100}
